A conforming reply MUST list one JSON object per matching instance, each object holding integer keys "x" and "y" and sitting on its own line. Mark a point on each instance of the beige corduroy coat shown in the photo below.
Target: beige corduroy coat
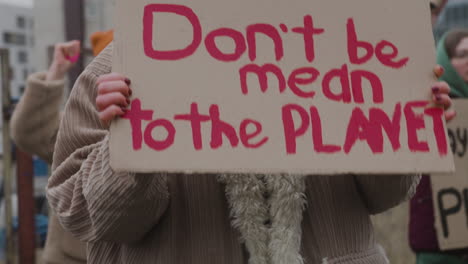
{"x": 134, "y": 218}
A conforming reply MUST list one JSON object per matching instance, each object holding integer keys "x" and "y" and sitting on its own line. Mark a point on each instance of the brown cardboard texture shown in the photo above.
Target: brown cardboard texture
{"x": 450, "y": 194}
{"x": 267, "y": 86}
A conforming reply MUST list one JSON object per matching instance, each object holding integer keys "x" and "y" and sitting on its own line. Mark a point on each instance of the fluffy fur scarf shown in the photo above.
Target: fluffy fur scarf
{"x": 267, "y": 210}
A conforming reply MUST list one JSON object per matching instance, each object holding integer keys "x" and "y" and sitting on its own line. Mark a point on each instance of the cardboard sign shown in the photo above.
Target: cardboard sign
{"x": 300, "y": 86}
{"x": 450, "y": 194}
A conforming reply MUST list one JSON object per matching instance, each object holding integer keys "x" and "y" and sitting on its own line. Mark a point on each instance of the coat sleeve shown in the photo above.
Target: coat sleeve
{"x": 36, "y": 118}
{"x": 91, "y": 200}
{"x": 382, "y": 192}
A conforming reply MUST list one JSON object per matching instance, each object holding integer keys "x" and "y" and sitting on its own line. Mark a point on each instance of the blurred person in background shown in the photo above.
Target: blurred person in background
{"x": 34, "y": 128}
{"x": 35, "y": 124}
{"x": 452, "y": 55}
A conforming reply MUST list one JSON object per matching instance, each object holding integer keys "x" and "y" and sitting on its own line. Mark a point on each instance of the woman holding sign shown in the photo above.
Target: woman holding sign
{"x": 128, "y": 217}
{"x": 452, "y": 54}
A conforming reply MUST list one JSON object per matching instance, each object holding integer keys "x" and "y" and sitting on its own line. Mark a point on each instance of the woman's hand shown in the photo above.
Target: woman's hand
{"x": 440, "y": 94}
{"x": 113, "y": 96}
{"x": 65, "y": 56}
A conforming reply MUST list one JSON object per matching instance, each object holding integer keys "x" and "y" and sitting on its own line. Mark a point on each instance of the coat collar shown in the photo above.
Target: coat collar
{"x": 267, "y": 210}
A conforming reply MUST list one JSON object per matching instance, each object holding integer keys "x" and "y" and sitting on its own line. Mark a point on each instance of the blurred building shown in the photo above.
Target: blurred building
{"x": 49, "y": 29}
{"x": 17, "y": 35}
{"x": 98, "y": 16}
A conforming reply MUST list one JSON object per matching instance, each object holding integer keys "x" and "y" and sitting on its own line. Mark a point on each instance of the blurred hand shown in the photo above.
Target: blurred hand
{"x": 65, "y": 56}
{"x": 440, "y": 94}
{"x": 438, "y": 7}
{"x": 113, "y": 96}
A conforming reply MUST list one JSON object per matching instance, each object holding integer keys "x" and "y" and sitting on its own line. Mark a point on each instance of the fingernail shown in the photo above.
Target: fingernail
{"x": 128, "y": 101}
{"x": 442, "y": 70}
{"x": 125, "y": 110}
{"x": 435, "y": 89}
{"x": 130, "y": 92}
{"x": 74, "y": 59}
{"x": 439, "y": 71}
{"x": 127, "y": 81}
{"x": 438, "y": 98}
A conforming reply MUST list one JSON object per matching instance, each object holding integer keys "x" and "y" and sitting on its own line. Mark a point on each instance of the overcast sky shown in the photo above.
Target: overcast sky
{"x": 26, "y": 3}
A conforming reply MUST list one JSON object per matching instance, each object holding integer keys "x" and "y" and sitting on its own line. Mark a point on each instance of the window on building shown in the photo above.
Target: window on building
{"x": 11, "y": 74}
{"x": 21, "y": 22}
{"x": 14, "y": 38}
{"x": 20, "y": 39}
{"x": 8, "y": 38}
{"x": 21, "y": 89}
{"x": 22, "y": 57}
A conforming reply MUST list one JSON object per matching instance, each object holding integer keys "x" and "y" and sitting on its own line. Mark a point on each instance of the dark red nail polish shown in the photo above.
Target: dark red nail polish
{"x": 438, "y": 98}
{"x": 125, "y": 110}
{"x": 130, "y": 92}
{"x": 442, "y": 70}
{"x": 128, "y": 101}
{"x": 435, "y": 89}
{"x": 127, "y": 81}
